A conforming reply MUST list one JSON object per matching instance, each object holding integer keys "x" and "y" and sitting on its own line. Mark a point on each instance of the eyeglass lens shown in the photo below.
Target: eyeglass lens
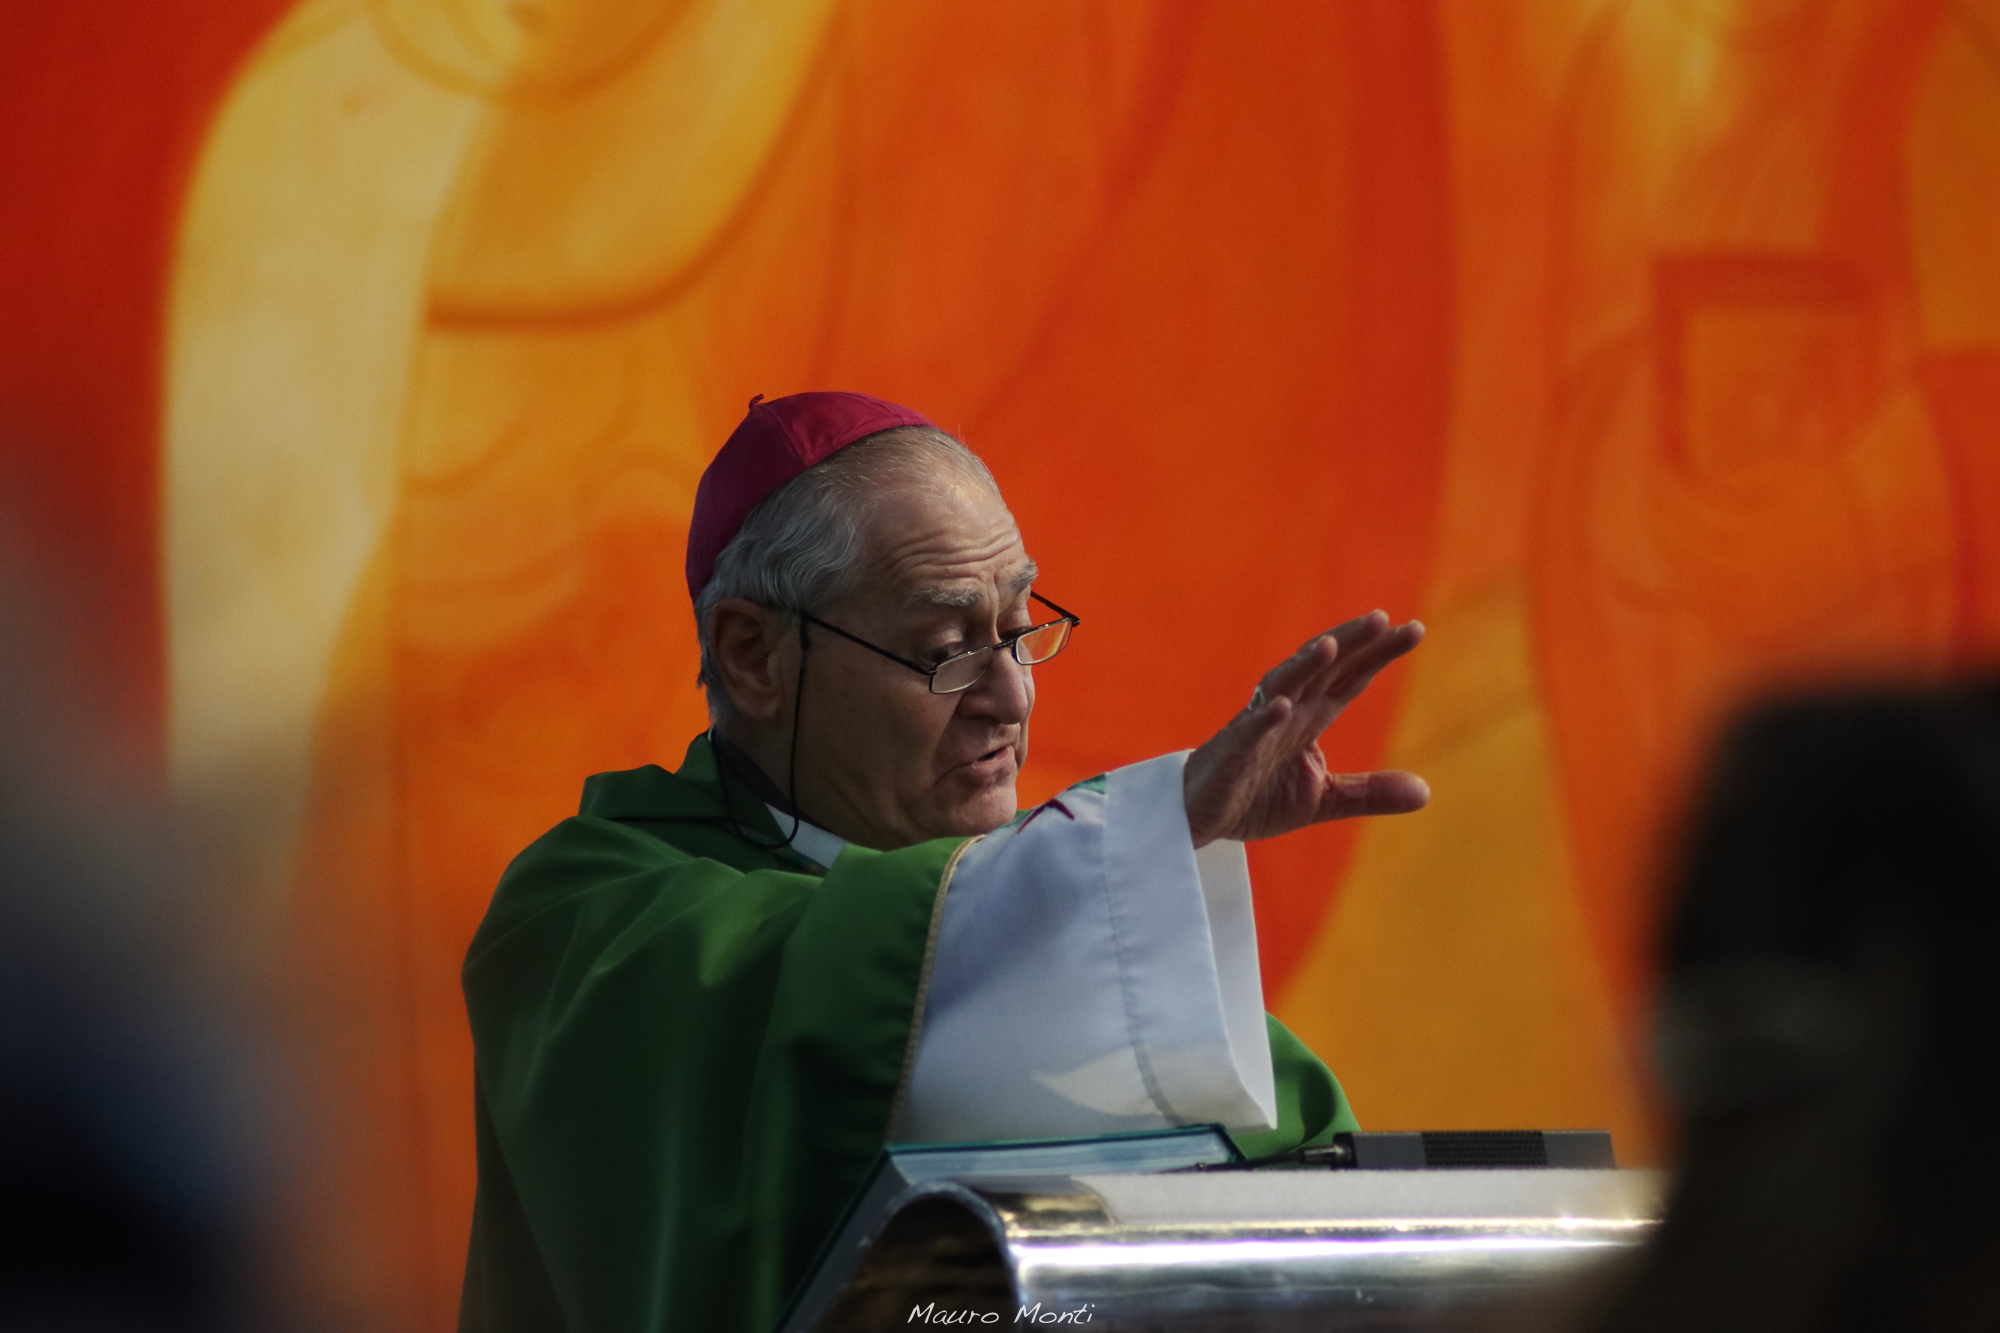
{"x": 1037, "y": 645}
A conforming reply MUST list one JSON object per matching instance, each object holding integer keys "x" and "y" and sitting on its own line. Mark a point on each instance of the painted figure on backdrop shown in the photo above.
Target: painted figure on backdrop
{"x": 1772, "y": 423}
{"x": 703, "y": 1005}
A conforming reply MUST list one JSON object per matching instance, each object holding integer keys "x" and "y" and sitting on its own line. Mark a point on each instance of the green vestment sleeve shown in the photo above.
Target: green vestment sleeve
{"x": 689, "y": 1048}
{"x": 687, "y": 1055}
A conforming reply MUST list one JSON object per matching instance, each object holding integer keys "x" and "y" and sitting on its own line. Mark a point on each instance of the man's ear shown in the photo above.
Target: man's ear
{"x": 750, "y": 642}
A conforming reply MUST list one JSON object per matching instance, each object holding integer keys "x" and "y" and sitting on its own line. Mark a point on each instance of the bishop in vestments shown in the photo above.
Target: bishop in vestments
{"x": 704, "y": 1004}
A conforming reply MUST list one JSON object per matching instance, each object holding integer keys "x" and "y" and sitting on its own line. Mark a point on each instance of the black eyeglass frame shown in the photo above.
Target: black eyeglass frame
{"x": 1011, "y": 642}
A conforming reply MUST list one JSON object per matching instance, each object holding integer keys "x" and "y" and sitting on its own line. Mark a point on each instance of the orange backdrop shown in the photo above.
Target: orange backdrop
{"x": 362, "y": 356}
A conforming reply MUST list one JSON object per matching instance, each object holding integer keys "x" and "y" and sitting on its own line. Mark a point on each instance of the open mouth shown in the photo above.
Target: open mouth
{"x": 994, "y": 762}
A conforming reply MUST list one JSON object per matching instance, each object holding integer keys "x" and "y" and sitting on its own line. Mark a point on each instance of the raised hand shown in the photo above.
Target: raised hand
{"x": 1263, "y": 774}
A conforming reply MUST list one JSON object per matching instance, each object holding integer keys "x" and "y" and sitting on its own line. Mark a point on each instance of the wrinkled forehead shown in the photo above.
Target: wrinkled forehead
{"x": 1009, "y": 586}
{"x": 946, "y": 542}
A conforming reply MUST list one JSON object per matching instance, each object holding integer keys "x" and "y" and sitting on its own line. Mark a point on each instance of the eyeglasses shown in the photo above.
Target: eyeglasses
{"x": 961, "y": 671}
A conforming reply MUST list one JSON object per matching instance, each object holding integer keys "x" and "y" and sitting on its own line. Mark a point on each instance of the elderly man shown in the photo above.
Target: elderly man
{"x": 704, "y": 1004}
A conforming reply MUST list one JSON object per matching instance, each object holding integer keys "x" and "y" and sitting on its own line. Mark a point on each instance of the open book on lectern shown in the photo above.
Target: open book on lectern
{"x": 901, "y": 1166}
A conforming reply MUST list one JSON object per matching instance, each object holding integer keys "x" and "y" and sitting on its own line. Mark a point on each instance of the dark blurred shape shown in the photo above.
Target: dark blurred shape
{"x": 1829, "y": 1032}
{"x": 128, "y": 1188}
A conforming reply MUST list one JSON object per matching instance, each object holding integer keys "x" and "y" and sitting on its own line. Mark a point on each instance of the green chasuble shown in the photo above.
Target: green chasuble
{"x": 689, "y": 1048}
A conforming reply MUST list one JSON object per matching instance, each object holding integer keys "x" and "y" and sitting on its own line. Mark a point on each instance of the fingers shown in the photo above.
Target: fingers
{"x": 1323, "y": 664}
{"x": 1234, "y": 748}
{"x": 1297, "y": 675}
{"x": 1254, "y": 724}
{"x": 1361, "y": 630}
{"x": 1361, "y": 666}
{"x": 1389, "y": 792}
{"x": 1337, "y": 665}
{"x": 1361, "y": 648}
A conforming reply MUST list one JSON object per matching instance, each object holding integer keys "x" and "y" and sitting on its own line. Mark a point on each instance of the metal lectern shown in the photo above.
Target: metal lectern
{"x": 1207, "y": 1251}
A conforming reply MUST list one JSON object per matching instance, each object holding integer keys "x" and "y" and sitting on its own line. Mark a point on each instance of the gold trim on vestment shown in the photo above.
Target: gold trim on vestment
{"x": 923, "y": 988}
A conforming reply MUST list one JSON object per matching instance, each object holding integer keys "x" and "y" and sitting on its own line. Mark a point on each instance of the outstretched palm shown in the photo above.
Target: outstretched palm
{"x": 1263, "y": 774}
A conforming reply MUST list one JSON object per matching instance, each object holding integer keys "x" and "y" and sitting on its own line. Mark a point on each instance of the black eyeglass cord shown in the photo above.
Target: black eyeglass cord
{"x": 791, "y": 769}
{"x": 728, "y": 820}
{"x": 792, "y": 765}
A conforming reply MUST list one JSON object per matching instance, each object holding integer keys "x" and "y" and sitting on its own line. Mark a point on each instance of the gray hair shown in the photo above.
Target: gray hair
{"x": 801, "y": 547}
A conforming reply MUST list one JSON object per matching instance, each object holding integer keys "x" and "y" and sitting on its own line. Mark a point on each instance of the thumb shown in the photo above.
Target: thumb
{"x": 1389, "y": 792}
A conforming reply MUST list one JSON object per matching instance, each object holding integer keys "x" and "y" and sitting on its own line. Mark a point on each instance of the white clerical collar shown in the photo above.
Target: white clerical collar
{"x": 812, "y": 842}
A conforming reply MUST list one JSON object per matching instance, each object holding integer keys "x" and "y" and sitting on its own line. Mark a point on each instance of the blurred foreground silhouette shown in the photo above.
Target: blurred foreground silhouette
{"x": 1829, "y": 1028}
{"x": 132, "y": 1177}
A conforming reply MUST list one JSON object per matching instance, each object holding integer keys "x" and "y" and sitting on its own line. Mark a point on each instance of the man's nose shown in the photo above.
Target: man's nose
{"x": 1006, "y": 693}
